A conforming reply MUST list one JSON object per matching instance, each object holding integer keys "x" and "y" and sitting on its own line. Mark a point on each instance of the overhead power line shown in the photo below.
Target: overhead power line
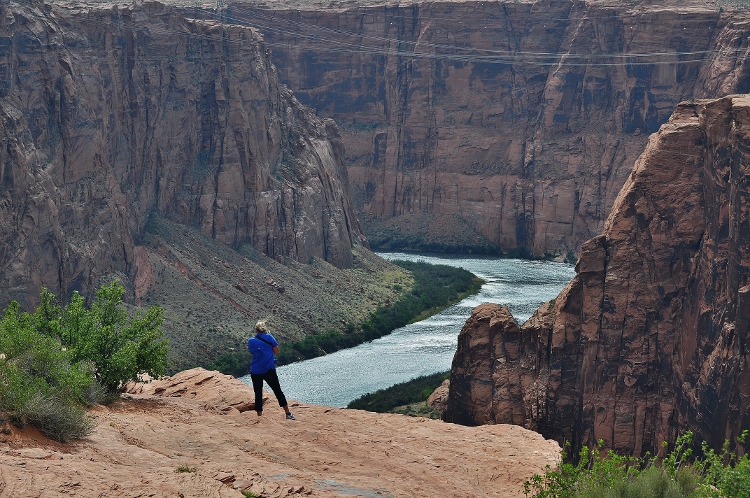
{"x": 326, "y": 40}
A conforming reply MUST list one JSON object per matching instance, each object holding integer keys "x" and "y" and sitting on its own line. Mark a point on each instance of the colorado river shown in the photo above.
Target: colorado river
{"x": 424, "y": 347}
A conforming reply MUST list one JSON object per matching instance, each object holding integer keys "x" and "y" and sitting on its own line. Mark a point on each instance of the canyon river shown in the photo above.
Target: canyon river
{"x": 424, "y": 347}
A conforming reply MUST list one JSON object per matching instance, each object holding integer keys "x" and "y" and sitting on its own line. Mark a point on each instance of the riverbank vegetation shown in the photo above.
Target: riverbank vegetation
{"x": 681, "y": 474}
{"x": 435, "y": 288}
{"x": 57, "y": 360}
{"x": 407, "y": 398}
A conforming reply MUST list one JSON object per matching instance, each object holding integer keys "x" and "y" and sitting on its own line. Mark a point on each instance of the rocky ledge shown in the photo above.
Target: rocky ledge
{"x": 650, "y": 338}
{"x": 186, "y": 436}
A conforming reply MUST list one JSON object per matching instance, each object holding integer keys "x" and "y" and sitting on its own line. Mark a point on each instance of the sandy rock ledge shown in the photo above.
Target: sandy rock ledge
{"x": 199, "y": 421}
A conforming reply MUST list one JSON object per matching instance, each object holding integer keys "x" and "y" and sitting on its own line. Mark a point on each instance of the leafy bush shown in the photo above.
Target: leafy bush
{"x": 55, "y": 361}
{"x": 120, "y": 347}
{"x": 678, "y": 475}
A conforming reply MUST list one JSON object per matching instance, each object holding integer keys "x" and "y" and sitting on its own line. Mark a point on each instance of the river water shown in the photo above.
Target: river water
{"x": 424, "y": 347}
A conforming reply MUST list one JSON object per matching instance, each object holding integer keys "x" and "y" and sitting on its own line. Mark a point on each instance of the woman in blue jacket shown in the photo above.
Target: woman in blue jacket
{"x": 263, "y": 367}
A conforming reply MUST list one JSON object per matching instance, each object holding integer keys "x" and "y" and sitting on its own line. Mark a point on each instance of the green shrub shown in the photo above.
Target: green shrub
{"x": 119, "y": 347}
{"x": 56, "y": 417}
{"x": 680, "y": 474}
{"x": 55, "y": 361}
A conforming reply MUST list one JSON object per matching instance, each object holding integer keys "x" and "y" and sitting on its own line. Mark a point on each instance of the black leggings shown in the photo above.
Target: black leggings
{"x": 273, "y": 381}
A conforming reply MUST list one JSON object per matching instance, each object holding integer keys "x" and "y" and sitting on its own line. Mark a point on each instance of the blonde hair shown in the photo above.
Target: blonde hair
{"x": 260, "y": 326}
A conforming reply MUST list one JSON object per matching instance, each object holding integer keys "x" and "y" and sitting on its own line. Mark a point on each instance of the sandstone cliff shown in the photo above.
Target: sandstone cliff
{"x": 179, "y": 437}
{"x": 111, "y": 113}
{"x": 651, "y": 336}
{"x": 514, "y": 122}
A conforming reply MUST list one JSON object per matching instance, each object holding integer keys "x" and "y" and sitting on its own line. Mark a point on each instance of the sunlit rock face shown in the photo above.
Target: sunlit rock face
{"x": 516, "y": 121}
{"x": 650, "y": 338}
{"x": 109, "y": 113}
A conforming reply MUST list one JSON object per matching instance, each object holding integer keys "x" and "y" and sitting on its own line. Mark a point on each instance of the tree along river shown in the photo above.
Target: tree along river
{"x": 424, "y": 347}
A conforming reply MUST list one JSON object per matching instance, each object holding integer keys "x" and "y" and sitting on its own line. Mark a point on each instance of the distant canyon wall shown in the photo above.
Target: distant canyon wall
{"x": 651, "y": 337}
{"x": 520, "y": 119}
{"x": 109, "y": 113}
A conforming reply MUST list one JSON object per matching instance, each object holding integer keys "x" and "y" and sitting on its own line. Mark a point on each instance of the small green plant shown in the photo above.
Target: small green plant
{"x": 680, "y": 474}
{"x": 185, "y": 468}
{"x": 58, "y": 418}
{"x": 249, "y": 494}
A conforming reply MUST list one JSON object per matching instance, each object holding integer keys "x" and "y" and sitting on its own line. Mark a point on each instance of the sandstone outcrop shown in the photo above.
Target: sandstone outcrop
{"x": 112, "y": 112}
{"x": 186, "y": 445}
{"x": 521, "y": 120}
{"x": 438, "y": 400}
{"x": 651, "y": 337}
{"x": 217, "y": 391}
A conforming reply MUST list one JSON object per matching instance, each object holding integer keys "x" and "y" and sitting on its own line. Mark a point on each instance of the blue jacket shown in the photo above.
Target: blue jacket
{"x": 262, "y": 352}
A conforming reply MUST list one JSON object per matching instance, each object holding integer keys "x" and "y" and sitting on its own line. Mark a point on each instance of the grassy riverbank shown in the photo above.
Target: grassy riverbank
{"x": 407, "y": 398}
{"x": 435, "y": 288}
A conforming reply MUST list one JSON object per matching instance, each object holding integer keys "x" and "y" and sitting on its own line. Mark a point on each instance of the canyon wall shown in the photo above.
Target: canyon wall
{"x": 111, "y": 113}
{"x": 651, "y": 336}
{"x": 505, "y": 124}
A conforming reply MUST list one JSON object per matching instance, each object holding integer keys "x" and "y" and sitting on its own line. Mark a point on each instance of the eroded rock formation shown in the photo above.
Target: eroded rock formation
{"x": 517, "y": 120}
{"x": 651, "y": 336}
{"x": 109, "y": 113}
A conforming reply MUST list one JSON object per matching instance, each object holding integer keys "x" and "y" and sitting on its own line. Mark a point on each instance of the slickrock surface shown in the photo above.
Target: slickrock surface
{"x": 651, "y": 337}
{"x": 518, "y": 121}
{"x": 142, "y": 440}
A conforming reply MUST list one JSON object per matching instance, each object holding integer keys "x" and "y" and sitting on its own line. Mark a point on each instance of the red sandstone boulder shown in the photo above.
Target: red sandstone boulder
{"x": 219, "y": 392}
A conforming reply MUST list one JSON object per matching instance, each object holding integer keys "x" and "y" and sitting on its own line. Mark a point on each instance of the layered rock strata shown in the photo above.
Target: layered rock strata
{"x": 519, "y": 119}
{"x": 651, "y": 337}
{"x": 109, "y": 113}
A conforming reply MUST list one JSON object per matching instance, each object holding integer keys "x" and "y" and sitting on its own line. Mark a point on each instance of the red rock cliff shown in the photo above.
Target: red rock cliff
{"x": 516, "y": 121}
{"x": 109, "y": 113}
{"x": 651, "y": 337}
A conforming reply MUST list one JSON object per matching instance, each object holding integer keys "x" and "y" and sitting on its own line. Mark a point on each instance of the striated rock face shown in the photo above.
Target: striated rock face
{"x": 519, "y": 119}
{"x": 110, "y": 113}
{"x": 651, "y": 336}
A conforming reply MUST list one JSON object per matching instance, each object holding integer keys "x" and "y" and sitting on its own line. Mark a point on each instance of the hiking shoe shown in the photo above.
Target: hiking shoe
{"x": 289, "y": 416}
